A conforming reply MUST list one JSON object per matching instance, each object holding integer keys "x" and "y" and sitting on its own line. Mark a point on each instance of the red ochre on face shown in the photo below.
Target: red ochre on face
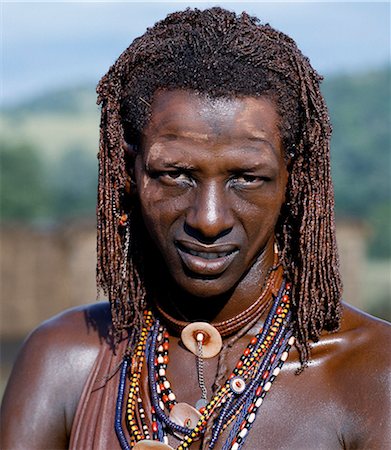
{"x": 211, "y": 180}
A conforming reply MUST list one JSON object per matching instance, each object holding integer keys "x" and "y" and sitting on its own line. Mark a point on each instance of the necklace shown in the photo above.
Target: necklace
{"x": 237, "y": 401}
{"x": 232, "y": 325}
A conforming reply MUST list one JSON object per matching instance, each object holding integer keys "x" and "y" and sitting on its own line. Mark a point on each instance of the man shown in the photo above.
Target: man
{"x": 216, "y": 248}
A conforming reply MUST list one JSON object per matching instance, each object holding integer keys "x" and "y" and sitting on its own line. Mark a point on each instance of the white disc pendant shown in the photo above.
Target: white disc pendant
{"x": 185, "y": 415}
{"x": 211, "y": 339}
{"x": 146, "y": 444}
{"x": 237, "y": 385}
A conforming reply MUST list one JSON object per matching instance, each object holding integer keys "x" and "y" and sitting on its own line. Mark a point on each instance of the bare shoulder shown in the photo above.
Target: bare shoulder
{"x": 366, "y": 335}
{"x": 358, "y": 370}
{"x": 76, "y": 328}
{"x": 359, "y": 348}
{"x": 56, "y": 358}
{"x": 74, "y": 336}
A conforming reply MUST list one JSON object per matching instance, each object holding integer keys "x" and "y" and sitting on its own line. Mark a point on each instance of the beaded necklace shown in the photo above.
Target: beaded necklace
{"x": 239, "y": 398}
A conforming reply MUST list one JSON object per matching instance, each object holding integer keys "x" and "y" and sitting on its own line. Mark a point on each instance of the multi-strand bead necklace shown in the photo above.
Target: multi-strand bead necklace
{"x": 238, "y": 400}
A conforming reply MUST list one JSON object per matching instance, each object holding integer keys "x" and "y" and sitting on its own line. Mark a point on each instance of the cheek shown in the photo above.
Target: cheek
{"x": 150, "y": 197}
{"x": 260, "y": 213}
{"x": 158, "y": 209}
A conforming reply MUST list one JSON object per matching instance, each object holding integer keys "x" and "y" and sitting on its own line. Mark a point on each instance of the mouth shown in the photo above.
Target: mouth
{"x": 206, "y": 260}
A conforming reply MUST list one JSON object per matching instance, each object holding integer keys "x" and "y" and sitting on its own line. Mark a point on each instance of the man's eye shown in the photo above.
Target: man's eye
{"x": 175, "y": 178}
{"x": 248, "y": 179}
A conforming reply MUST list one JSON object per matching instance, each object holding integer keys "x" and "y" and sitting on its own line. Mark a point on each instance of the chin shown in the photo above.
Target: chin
{"x": 204, "y": 287}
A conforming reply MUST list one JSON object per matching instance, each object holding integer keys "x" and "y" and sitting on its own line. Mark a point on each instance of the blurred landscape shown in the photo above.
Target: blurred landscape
{"x": 48, "y": 191}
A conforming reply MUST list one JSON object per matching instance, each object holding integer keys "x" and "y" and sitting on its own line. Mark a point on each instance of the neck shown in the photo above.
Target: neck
{"x": 245, "y": 302}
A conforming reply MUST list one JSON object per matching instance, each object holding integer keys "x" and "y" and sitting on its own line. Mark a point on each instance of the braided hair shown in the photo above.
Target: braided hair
{"x": 219, "y": 53}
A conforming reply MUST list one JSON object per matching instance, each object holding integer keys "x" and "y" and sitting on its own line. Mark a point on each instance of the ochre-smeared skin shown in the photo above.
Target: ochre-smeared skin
{"x": 340, "y": 401}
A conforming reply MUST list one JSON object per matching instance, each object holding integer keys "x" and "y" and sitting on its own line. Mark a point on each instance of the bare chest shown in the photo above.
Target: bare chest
{"x": 294, "y": 414}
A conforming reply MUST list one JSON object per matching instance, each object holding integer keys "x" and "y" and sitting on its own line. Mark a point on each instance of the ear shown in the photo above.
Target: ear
{"x": 130, "y": 154}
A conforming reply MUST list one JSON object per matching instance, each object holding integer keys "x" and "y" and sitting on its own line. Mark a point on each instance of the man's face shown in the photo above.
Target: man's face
{"x": 211, "y": 180}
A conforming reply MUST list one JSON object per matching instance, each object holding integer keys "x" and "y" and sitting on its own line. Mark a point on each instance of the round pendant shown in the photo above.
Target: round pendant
{"x": 185, "y": 415}
{"x": 146, "y": 444}
{"x": 202, "y": 332}
{"x": 237, "y": 385}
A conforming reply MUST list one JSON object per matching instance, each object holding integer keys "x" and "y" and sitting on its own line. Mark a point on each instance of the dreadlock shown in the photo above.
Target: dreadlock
{"x": 219, "y": 53}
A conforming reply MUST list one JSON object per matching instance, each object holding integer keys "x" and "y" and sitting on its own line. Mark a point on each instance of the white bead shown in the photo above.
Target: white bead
{"x": 251, "y": 417}
{"x": 276, "y": 371}
{"x": 258, "y": 403}
{"x": 160, "y": 349}
{"x": 284, "y": 356}
{"x": 243, "y": 432}
{"x": 162, "y": 372}
{"x": 161, "y": 404}
{"x": 166, "y": 384}
{"x": 200, "y": 337}
{"x": 171, "y": 396}
{"x": 267, "y": 386}
{"x": 291, "y": 340}
{"x": 158, "y": 390}
{"x": 235, "y": 446}
{"x": 160, "y": 359}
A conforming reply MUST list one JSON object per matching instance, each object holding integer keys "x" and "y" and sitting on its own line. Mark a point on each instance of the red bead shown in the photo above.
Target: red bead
{"x": 154, "y": 427}
{"x": 165, "y": 359}
{"x": 285, "y": 298}
{"x": 239, "y": 364}
{"x": 258, "y": 391}
{"x": 265, "y": 375}
{"x": 251, "y": 407}
{"x": 123, "y": 219}
{"x": 166, "y": 345}
{"x": 288, "y": 286}
{"x": 166, "y": 334}
{"x": 279, "y": 310}
{"x": 273, "y": 358}
{"x": 165, "y": 398}
{"x": 253, "y": 341}
{"x": 246, "y": 352}
{"x": 242, "y": 426}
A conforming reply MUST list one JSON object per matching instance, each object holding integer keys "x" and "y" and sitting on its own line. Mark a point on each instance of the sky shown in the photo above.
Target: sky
{"x": 58, "y": 44}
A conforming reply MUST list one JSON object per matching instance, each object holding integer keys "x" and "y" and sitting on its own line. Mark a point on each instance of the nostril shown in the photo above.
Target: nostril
{"x": 201, "y": 237}
{"x": 209, "y": 217}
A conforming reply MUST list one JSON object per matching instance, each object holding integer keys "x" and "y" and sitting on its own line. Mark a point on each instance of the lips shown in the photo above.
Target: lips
{"x": 211, "y": 260}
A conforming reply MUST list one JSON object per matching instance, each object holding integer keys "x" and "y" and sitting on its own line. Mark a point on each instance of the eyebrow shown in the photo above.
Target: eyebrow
{"x": 187, "y": 135}
{"x": 263, "y": 141}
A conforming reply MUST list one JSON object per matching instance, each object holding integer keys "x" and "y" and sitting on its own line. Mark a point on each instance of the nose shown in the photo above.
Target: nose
{"x": 210, "y": 217}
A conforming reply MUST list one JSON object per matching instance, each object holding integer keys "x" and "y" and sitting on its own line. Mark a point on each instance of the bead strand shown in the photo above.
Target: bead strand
{"x": 273, "y": 318}
{"x": 228, "y": 409}
{"x": 253, "y": 408}
{"x": 119, "y": 406}
{"x": 156, "y": 402}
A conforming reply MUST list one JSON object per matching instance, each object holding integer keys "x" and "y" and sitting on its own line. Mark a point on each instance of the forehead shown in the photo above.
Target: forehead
{"x": 188, "y": 113}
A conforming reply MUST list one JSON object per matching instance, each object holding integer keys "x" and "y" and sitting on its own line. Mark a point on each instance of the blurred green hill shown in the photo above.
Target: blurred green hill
{"x": 49, "y": 146}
